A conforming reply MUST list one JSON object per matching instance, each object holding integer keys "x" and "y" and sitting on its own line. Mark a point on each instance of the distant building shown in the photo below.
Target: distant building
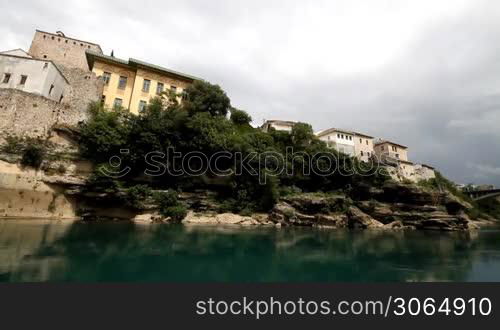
{"x": 279, "y": 125}
{"x": 390, "y": 151}
{"x": 339, "y": 139}
{"x": 132, "y": 83}
{"x": 62, "y": 50}
{"x": 348, "y": 142}
{"x": 407, "y": 170}
{"x": 363, "y": 146}
{"x": 21, "y": 71}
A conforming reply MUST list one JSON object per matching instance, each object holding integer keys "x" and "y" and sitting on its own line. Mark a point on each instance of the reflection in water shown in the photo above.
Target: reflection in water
{"x": 52, "y": 251}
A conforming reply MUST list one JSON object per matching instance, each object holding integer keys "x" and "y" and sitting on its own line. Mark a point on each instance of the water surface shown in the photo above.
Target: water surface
{"x": 115, "y": 252}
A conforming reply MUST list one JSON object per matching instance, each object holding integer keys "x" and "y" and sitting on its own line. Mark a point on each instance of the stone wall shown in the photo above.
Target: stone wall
{"x": 85, "y": 87}
{"x": 27, "y": 114}
{"x": 32, "y": 115}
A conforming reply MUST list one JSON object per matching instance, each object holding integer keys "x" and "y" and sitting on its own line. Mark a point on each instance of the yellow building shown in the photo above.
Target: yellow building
{"x": 131, "y": 84}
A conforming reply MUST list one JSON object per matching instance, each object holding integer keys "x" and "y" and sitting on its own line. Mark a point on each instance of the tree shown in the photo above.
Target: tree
{"x": 240, "y": 117}
{"x": 104, "y": 134}
{"x": 302, "y": 134}
{"x": 202, "y": 96}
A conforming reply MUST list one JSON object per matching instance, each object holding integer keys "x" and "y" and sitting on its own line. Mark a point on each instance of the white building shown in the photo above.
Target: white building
{"x": 338, "y": 139}
{"x": 279, "y": 125}
{"x": 18, "y": 70}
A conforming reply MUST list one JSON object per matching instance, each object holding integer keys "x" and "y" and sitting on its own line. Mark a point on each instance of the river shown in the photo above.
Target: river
{"x": 39, "y": 251}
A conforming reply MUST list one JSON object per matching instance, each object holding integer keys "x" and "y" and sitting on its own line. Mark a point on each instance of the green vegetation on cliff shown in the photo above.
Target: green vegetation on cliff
{"x": 201, "y": 125}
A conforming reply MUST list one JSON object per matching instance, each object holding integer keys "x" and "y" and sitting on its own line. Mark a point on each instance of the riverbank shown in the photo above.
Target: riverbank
{"x": 51, "y": 193}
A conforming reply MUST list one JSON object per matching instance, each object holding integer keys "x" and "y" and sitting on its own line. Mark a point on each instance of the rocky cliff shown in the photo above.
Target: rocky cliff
{"x": 393, "y": 206}
{"x": 58, "y": 190}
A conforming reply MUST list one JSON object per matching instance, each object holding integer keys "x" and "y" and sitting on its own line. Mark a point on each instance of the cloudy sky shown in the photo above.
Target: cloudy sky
{"x": 422, "y": 73}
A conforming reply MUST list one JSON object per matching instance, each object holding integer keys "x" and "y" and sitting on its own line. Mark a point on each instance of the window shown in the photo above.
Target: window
{"x": 6, "y": 78}
{"x": 142, "y": 105}
{"x": 366, "y": 142}
{"x": 51, "y": 89}
{"x": 338, "y": 135}
{"x": 106, "y": 77}
{"x": 174, "y": 89}
{"x": 159, "y": 88}
{"x": 362, "y": 154}
{"x": 341, "y": 136}
{"x": 23, "y": 80}
{"x": 118, "y": 103}
{"x": 145, "y": 85}
{"x": 360, "y": 140}
{"x": 368, "y": 154}
{"x": 103, "y": 99}
{"x": 122, "y": 83}
{"x": 44, "y": 56}
{"x": 350, "y": 138}
{"x": 397, "y": 155}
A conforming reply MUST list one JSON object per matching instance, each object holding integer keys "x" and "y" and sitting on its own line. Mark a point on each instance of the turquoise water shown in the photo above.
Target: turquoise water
{"x": 112, "y": 252}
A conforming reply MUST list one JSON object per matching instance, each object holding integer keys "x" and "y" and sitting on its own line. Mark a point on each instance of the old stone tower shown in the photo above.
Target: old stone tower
{"x": 26, "y": 113}
{"x": 62, "y": 50}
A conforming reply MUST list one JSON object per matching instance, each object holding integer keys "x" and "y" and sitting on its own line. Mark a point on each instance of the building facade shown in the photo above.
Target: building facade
{"x": 348, "y": 142}
{"x": 338, "y": 139}
{"x": 390, "y": 151}
{"x": 62, "y": 50}
{"x": 20, "y": 71}
{"x": 363, "y": 146}
{"x": 279, "y": 125}
{"x": 132, "y": 83}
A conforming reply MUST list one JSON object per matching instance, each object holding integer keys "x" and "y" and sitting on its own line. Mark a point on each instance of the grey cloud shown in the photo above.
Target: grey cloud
{"x": 438, "y": 92}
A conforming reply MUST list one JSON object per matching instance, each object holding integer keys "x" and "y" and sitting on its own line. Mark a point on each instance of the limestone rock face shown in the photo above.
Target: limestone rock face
{"x": 195, "y": 218}
{"x": 359, "y": 219}
{"x": 310, "y": 203}
{"x": 320, "y": 216}
{"x": 394, "y": 206}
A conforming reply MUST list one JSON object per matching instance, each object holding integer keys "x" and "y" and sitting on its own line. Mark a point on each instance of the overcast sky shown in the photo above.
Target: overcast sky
{"x": 422, "y": 73}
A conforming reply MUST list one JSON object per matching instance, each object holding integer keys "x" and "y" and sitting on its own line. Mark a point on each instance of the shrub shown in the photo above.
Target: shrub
{"x": 289, "y": 190}
{"x": 176, "y": 213}
{"x": 33, "y": 155}
{"x": 136, "y": 196}
{"x": 61, "y": 169}
{"x": 13, "y": 145}
{"x": 169, "y": 205}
